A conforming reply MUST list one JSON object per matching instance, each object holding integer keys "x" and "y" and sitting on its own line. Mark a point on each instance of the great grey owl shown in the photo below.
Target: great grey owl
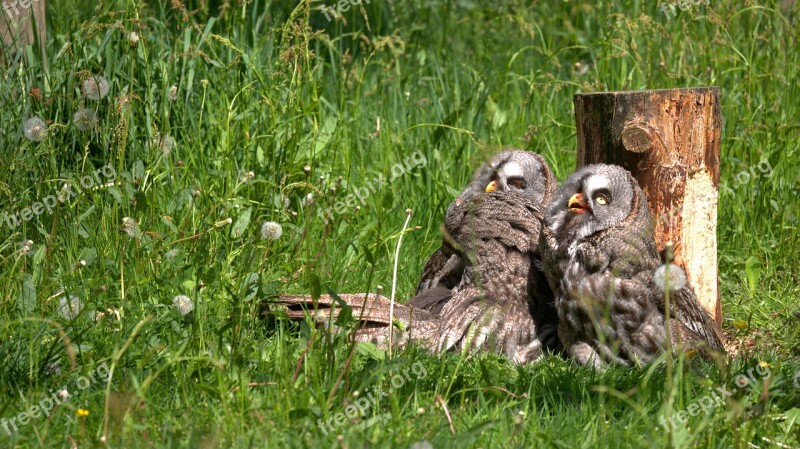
{"x": 484, "y": 288}
{"x": 489, "y": 262}
{"x": 600, "y": 258}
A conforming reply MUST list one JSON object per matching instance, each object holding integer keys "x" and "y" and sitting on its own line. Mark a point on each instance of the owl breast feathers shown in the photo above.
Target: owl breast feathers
{"x": 600, "y": 260}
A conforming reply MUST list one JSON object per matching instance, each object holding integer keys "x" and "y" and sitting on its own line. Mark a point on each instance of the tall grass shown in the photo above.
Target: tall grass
{"x": 275, "y": 89}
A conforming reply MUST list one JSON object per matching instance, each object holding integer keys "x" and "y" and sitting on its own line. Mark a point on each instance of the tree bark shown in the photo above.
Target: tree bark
{"x": 17, "y": 18}
{"x": 669, "y": 141}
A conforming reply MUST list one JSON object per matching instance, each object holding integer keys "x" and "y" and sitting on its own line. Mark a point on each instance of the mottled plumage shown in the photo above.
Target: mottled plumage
{"x": 484, "y": 288}
{"x": 599, "y": 256}
{"x": 500, "y": 300}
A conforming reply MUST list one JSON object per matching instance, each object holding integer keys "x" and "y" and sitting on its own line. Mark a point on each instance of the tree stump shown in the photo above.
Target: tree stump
{"x": 17, "y": 18}
{"x": 669, "y": 141}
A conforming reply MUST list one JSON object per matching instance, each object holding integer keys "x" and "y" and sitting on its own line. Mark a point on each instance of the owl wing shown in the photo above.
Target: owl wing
{"x": 443, "y": 269}
{"x": 616, "y": 317}
{"x": 691, "y": 324}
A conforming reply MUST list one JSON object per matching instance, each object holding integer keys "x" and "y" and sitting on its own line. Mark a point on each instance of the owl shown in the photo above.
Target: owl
{"x": 483, "y": 289}
{"x": 599, "y": 256}
{"x": 489, "y": 262}
{"x": 509, "y": 171}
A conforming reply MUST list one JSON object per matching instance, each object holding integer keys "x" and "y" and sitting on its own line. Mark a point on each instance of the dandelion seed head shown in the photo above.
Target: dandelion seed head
{"x": 35, "y": 129}
{"x": 183, "y": 304}
{"x": 69, "y": 306}
{"x": 173, "y": 93}
{"x": 671, "y": 276}
{"x": 130, "y": 226}
{"x": 85, "y": 119}
{"x": 164, "y": 144}
{"x": 95, "y": 87}
{"x": 171, "y": 254}
{"x": 421, "y": 445}
{"x": 271, "y": 230}
{"x": 308, "y": 199}
{"x": 133, "y": 38}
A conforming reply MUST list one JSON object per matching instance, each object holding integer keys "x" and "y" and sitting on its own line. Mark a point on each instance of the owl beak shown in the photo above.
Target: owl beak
{"x": 491, "y": 187}
{"x": 578, "y": 203}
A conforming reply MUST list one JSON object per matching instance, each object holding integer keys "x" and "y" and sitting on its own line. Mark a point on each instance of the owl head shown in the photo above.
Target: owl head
{"x": 517, "y": 171}
{"x": 596, "y": 198}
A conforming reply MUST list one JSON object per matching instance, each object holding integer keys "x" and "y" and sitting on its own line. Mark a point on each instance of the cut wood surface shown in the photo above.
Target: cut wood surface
{"x": 670, "y": 141}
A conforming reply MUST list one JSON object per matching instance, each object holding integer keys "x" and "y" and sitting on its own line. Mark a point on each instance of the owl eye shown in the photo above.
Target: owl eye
{"x": 517, "y": 183}
{"x": 602, "y": 199}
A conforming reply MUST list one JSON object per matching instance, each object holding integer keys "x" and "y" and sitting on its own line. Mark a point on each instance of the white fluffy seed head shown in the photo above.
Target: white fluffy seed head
{"x": 130, "y": 226}
{"x": 183, "y": 304}
{"x": 671, "y": 276}
{"x": 69, "y": 307}
{"x": 95, "y": 87}
{"x": 271, "y": 230}
{"x": 85, "y": 119}
{"x": 35, "y": 129}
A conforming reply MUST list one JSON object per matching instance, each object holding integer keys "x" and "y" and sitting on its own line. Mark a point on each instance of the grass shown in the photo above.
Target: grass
{"x": 273, "y": 87}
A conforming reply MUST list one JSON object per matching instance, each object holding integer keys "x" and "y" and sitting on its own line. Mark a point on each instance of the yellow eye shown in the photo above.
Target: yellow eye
{"x": 601, "y": 199}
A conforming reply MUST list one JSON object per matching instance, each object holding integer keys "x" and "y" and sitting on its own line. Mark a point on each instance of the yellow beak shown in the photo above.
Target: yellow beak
{"x": 577, "y": 203}
{"x": 491, "y": 187}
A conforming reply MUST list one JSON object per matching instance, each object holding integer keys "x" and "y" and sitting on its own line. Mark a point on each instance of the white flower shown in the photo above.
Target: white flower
{"x": 26, "y": 247}
{"x": 183, "y": 304}
{"x": 95, "y": 87}
{"x": 35, "y": 129}
{"x": 246, "y": 177}
{"x": 271, "y": 230}
{"x": 85, "y": 119}
{"x": 173, "y": 93}
{"x": 133, "y": 38}
{"x": 69, "y": 307}
{"x": 63, "y": 394}
{"x": 308, "y": 200}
